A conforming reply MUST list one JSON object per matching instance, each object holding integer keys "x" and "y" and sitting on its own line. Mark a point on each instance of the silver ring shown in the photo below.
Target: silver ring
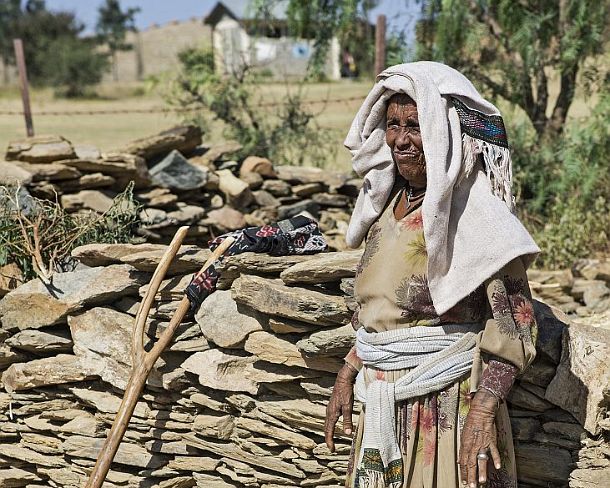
{"x": 482, "y": 455}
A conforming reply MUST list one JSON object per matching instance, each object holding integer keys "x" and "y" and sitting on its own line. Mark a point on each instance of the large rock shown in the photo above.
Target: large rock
{"x": 336, "y": 342}
{"x": 105, "y": 402}
{"x": 16, "y": 477}
{"x": 582, "y": 382}
{"x": 274, "y": 298}
{"x": 87, "y": 200}
{"x": 40, "y": 341}
{"x": 122, "y": 167}
{"x": 88, "y": 182}
{"x": 234, "y": 452}
{"x": 260, "y": 263}
{"x": 50, "y": 171}
{"x": 225, "y": 219}
{"x": 548, "y": 465}
{"x": 144, "y": 257}
{"x": 13, "y": 174}
{"x": 222, "y": 323}
{"x": 323, "y": 268}
{"x": 55, "y": 370}
{"x": 40, "y": 149}
{"x": 221, "y": 371}
{"x": 176, "y": 173}
{"x": 236, "y": 191}
{"x": 255, "y": 164}
{"x": 551, "y": 324}
{"x": 128, "y": 453}
{"x": 304, "y": 174}
{"x": 105, "y": 254}
{"x": 184, "y": 138}
{"x": 34, "y": 305}
{"x": 109, "y": 358}
{"x": 267, "y": 347}
{"x": 23, "y": 454}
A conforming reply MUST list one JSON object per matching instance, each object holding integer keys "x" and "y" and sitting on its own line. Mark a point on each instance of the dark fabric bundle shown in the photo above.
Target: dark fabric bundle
{"x": 298, "y": 235}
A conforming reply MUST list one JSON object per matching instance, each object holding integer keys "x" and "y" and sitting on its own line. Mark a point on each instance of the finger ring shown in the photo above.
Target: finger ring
{"x": 482, "y": 455}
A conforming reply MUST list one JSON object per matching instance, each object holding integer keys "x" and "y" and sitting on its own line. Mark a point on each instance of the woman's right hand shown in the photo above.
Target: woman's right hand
{"x": 341, "y": 403}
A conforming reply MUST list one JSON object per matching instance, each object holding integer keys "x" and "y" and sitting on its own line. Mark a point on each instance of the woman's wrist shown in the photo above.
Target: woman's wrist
{"x": 485, "y": 400}
{"x": 347, "y": 373}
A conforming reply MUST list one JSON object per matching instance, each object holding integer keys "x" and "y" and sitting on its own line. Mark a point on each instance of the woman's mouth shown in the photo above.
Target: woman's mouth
{"x": 406, "y": 154}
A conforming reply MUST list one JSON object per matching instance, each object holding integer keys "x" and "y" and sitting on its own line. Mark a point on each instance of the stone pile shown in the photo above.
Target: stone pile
{"x": 582, "y": 290}
{"x": 208, "y": 191}
{"x": 238, "y": 399}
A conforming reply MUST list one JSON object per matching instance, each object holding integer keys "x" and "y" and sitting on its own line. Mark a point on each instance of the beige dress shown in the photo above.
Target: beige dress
{"x": 392, "y": 292}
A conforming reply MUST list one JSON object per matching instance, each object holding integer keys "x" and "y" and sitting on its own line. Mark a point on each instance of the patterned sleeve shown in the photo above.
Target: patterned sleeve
{"x": 352, "y": 357}
{"x": 510, "y": 335}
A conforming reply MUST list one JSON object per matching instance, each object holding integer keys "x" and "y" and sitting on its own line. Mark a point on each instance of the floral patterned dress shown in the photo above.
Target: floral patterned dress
{"x": 391, "y": 289}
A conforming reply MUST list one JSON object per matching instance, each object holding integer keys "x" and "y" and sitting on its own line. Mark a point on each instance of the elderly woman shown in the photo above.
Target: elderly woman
{"x": 445, "y": 321}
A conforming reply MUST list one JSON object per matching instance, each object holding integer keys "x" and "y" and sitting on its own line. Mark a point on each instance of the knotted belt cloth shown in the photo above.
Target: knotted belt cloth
{"x": 438, "y": 356}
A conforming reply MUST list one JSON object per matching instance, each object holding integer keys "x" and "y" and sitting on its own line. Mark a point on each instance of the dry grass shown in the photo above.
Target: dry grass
{"x": 109, "y": 132}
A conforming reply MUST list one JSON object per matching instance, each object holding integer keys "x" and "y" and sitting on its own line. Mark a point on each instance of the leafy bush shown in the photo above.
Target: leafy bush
{"x": 284, "y": 131}
{"x": 73, "y": 65}
{"x": 38, "y": 235}
{"x": 564, "y": 187}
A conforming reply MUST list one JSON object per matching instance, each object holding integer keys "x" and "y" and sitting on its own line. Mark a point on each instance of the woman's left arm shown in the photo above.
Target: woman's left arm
{"x": 508, "y": 343}
{"x": 509, "y": 338}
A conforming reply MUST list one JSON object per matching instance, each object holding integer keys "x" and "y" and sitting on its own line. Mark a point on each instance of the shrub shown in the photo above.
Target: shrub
{"x": 283, "y": 130}
{"x": 564, "y": 187}
{"x": 38, "y": 235}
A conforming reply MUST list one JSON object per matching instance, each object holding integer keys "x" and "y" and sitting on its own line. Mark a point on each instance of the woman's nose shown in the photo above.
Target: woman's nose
{"x": 403, "y": 140}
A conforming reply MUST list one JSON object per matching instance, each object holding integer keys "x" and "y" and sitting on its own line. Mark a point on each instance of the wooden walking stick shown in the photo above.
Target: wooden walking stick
{"x": 143, "y": 361}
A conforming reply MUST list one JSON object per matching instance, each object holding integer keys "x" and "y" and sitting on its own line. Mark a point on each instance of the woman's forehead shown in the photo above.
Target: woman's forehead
{"x": 401, "y": 99}
{"x": 401, "y": 102}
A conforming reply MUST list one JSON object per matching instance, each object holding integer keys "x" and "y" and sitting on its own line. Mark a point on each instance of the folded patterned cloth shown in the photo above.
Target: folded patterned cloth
{"x": 297, "y": 235}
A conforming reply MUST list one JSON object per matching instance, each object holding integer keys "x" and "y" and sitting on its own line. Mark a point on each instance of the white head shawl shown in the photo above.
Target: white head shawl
{"x": 469, "y": 228}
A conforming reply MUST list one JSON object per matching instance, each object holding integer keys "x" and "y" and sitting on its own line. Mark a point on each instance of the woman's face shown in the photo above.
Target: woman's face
{"x": 404, "y": 138}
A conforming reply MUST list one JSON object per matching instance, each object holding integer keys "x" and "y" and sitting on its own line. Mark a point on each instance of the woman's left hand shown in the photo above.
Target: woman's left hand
{"x": 479, "y": 436}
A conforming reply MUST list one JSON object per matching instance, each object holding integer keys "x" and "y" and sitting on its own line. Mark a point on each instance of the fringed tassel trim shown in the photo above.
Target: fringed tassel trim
{"x": 373, "y": 474}
{"x": 498, "y": 166}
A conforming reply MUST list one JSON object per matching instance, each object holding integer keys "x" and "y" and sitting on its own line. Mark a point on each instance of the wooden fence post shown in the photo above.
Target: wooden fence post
{"x": 380, "y": 44}
{"x": 23, "y": 85}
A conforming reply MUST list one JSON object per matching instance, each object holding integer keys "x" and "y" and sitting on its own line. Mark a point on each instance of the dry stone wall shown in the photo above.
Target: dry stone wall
{"x": 238, "y": 399}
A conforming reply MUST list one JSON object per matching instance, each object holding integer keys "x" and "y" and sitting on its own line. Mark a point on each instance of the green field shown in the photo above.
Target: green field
{"x": 111, "y": 131}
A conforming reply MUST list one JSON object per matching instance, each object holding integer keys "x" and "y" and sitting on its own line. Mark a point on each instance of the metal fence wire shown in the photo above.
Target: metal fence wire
{"x": 153, "y": 110}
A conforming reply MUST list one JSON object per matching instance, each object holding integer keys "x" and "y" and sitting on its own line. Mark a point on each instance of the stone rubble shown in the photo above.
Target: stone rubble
{"x": 238, "y": 400}
{"x": 179, "y": 181}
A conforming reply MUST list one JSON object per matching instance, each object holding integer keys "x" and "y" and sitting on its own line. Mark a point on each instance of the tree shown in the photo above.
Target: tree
{"x": 56, "y": 53}
{"x": 321, "y": 20}
{"x": 511, "y": 47}
{"x": 10, "y": 10}
{"x": 74, "y": 65}
{"x": 112, "y": 27}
